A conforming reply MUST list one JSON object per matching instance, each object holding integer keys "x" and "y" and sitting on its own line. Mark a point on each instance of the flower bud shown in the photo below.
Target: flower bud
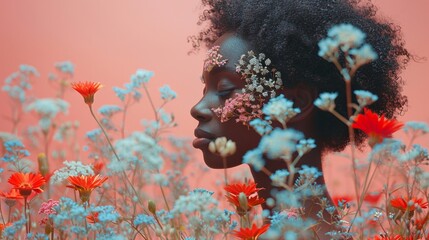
{"x": 43, "y": 164}
{"x": 152, "y": 207}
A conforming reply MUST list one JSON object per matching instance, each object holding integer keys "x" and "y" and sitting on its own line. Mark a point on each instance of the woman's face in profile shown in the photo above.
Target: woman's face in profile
{"x": 221, "y": 83}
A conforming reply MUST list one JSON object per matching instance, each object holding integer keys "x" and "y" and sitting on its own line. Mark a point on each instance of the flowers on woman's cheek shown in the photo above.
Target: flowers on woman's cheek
{"x": 214, "y": 59}
{"x": 376, "y": 127}
{"x": 262, "y": 82}
{"x": 252, "y": 233}
{"x": 87, "y": 90}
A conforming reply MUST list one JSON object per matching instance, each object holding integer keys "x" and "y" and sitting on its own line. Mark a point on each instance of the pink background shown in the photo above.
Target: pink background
{"x": 108, "y": 40}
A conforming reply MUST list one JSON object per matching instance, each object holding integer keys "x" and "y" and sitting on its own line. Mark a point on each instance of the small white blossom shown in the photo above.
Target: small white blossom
{"x": 347, "y": 35}
{"x": 363, "y": 55}
{"x": 326, "y": 101}
{"x": 280, "y": 109}
{"x": 280, "y": 143}
{"x": 72, "y": 168}
{"x": 223, "y": 147}
{"x": 365, "y": 98}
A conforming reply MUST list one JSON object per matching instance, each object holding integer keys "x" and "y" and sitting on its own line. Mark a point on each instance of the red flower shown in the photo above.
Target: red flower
{"x": 87, "y": 90}
{"x": 251, "y": 233}
{"x": 93, "y": 218}
{"x": 420, "y": 223}
{"x": 336, "y": 200}
{"x": 376, "y": 127}
{"x": 403, "y": 204}
{"x": 97, "y": 167}
{"x": 13, "y": 194}
{"x": 250, "y": 191}
{"x": 27, "y": 182}
{"x": 372, "y": 198}
{"x": 85, "y": 184}
{"x": 396, "y": 237}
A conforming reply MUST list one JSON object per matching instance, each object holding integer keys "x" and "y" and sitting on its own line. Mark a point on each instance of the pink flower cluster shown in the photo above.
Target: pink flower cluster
{"x": 214, "y": 58}
{"x": 240, "y": 107}
{"x": 262, "y": 83}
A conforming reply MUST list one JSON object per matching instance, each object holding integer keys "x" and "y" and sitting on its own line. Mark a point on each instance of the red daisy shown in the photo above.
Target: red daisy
{"x": 12, "y": 194}
{"x": 336, "y": 200}
{"x": 87, "y": 90}
{"x": 376, "y": 127}
{"x": 27, "y": 182}
{"x": 85, "y": 184}
{"x": 404, "y": 204}
{"x": 93, "y": 218}
{"x": 372, "y": 198}
{"x": 249, "y": 190}
{"x": 251, "y": 233}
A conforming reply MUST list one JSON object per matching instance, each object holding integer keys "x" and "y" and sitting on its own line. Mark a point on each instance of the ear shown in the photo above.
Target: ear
{"x": 303, "y": 98}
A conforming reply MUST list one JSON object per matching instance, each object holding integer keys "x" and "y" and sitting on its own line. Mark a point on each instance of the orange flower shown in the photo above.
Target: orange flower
{"x": 251, "y": 233}
{"x": 250, "y": 191}
{"x": 3, "y": 226}
{"x": 405, "y": 204}
{"x": 85, "y": 184}
{"x": 13, "y": 194}
{"x": 93, "y": 218}
{"x": 87, "y": 90}
{"x": 341, "y": 199}
{"x": 376, "y": 127}
{"x": 27, "y": 182}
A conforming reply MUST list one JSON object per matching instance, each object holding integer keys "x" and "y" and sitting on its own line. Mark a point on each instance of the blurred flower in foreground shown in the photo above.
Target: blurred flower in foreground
{"x": 243, "y": 196}
{"x": 87, "y": 90}
{"x": 223, "y": 147}
{"x": 405, "y": 204}
{"x": 27, "y": 182}
{"x": 85, "y": 184}
{"x": 376, "y": 127}
{"x": 251, "y": 233}
{"x": 92, "y": 218}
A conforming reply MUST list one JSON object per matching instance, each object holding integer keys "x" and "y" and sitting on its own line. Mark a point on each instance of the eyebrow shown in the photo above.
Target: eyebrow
{"x": 217, "y": 69}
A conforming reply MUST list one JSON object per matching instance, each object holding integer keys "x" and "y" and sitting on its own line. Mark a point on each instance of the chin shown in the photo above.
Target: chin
{"x": 216, "y": 162}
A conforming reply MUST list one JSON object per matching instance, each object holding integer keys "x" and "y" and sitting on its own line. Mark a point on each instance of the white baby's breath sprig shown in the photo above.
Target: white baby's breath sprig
{"x": 365, "y": 98}
{"x": 326, "y": 101}
{"x": 305, "y": 145}
{"x": 280, "y": 109}
{"x": 222, "y": 146}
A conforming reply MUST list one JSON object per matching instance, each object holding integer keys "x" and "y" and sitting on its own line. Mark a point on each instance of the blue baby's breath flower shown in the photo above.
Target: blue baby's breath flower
{"x": 106, "y": 213}
{"x": 278, "y": 178}
{"x": 365, "y": 98}
{"x": 329, "y": 49}
{"x": 167, "y": 93}
{"x": 11, "y": 231}
{"x": 29, "y": 70}
{"x": 363, "y": 55}
{"x": 94, "y": 134}
{"x": 255, "y": 159}
{"x": 416, "y": 128}
{"x": 120, "y": 93}
{"x": 305, "y": 145}
{"x": 262, "y": 127}
{"x": 280, "y": 143}
{"x": 109, "y": 110}
{"x": 144, "y": 219}
{"x": 141, "y": 76}
{"x": 326, "y": 101}
{"x": 347, "y": 35}
{"x": 309, "y": 172}
{"x": 65, "y": 67}
{"x": 280, "y": 109}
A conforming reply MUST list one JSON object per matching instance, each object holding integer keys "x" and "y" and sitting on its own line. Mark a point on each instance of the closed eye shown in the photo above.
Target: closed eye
{"x": 224, "y": 94}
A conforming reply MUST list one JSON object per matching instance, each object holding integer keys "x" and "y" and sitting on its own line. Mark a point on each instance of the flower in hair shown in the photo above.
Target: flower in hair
{"x": 214, "y": 59}
{"x": 262, "y": 83}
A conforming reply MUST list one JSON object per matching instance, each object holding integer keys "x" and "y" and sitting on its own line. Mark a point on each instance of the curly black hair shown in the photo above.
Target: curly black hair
{"x": 288, "y": 31}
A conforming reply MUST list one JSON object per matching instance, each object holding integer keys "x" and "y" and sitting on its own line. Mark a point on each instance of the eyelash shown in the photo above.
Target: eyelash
{"x": 225, "y": 93}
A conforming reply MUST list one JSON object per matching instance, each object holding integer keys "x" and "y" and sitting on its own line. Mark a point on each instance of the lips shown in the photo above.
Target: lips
{"x": 202, "y": 139}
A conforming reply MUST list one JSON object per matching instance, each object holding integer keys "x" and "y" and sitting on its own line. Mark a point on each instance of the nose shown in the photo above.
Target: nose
{"x": 201, "y": 111}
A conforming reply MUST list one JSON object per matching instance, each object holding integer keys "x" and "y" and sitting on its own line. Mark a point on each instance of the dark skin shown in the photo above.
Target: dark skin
{"x": 222, "y": 83}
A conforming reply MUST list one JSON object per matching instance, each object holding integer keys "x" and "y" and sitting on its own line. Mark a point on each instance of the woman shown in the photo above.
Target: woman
{"x": 287, "y": 32}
